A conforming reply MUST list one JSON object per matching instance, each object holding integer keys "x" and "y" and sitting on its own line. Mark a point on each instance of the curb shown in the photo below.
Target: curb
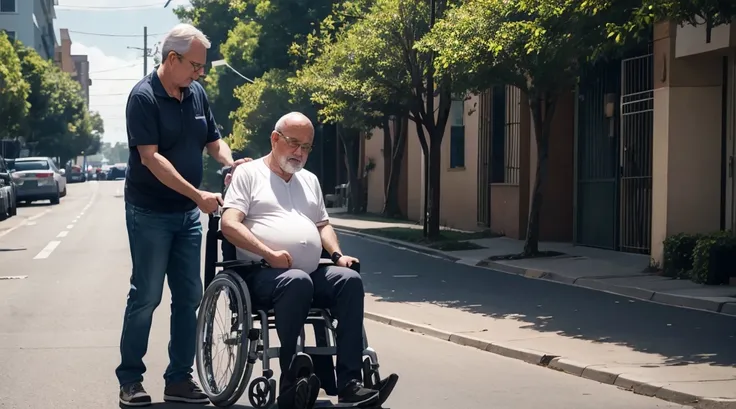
{"x": 718, "y": 305}
{"x": 596, "y": 373}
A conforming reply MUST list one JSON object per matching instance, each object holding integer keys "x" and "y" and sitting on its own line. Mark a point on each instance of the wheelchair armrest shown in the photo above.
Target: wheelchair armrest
{"x": 328, "y": 262}
{"x": 232, "y": 264}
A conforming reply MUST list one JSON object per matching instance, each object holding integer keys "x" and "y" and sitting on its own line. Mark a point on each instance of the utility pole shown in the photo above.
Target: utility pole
{"x": 147, "y": 52}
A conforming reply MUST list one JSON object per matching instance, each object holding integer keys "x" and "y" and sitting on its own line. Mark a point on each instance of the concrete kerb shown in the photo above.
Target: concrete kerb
{"x": 591, "y": 282}
{"x": 596, "y": 373}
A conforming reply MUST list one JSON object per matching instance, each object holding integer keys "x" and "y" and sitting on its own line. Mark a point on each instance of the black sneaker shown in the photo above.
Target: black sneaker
{"x": 356, "y": 395}
{"x": 134, "y": 395}
{"x": 296, "y": 397}
{"x": 385, "y": 387}
{"x": 314, "y": 386}
{"x": 186, "y": 391}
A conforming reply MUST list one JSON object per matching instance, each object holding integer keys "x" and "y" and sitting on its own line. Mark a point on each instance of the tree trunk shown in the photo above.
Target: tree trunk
{"x": 391, "y": 207}
{"x": 542, "y": 108}
{"x": 435, "y": 157}
{"x": 354, "y": 195}
{"x": 425, "y": 152}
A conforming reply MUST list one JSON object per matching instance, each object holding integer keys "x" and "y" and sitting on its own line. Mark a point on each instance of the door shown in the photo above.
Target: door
{"x": 635, "y": 156}
{"x": 730, "y": 112}
{"x": 484, "y": 158}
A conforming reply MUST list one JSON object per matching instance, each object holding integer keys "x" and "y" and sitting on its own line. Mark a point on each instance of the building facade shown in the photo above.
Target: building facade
{"x": 31, "y": 22}
{"x": 77, "y": 66}
{"x": 641, "y": 149}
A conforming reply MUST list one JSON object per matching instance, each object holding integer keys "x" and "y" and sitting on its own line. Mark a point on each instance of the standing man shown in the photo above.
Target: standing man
{"x": 169, "y": 124}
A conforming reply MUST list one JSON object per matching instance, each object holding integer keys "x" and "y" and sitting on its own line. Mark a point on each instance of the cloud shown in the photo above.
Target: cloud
{"x": 112, "y": 80}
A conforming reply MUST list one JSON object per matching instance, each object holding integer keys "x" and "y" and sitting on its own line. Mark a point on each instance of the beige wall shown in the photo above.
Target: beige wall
{"x": 687, "y": 139}
{"x": 64, "y": 53}
{"x": 458, "y": 186}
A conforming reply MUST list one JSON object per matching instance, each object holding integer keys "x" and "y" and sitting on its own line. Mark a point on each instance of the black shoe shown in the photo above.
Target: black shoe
{"x": 385, "y": 387}
{"x": 314, "y": 386}
{"x": 356, "y": 395}
{"x": 134, "y": 395}
{"x": 296, "y": 397}
{"x": 186, "y": 391}
{"x": 301, "y": 367}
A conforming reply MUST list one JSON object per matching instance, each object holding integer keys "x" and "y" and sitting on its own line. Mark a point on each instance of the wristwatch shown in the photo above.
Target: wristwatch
{"x": 336, "y": 256}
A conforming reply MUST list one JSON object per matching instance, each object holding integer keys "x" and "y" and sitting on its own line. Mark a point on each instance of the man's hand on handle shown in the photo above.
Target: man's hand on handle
{"x": 346, "y": 261}
{"x": 209, "y": 202}
{"x": 229, "y": 176}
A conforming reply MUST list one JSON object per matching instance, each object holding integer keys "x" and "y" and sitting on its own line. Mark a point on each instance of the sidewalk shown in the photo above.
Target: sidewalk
{"x": 604, "y": 270}
{"x": 684, "y": 356}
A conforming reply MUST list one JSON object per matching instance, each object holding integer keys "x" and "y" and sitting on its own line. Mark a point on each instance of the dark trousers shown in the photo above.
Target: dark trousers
{"x": 291, "y": 294}
{"x": 161, "y": 245}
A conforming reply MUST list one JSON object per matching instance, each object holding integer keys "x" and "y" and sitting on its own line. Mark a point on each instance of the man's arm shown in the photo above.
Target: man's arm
{"x": 220, "y": 152}
{"x": 143, "y": 126}
{"x": 329, "y": 238}
{"x": 240, "y": 236}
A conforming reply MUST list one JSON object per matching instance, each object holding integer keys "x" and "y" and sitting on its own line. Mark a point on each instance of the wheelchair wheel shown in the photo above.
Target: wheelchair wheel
{"x": 371, "y": 377}
{"x": 225, "y": 390}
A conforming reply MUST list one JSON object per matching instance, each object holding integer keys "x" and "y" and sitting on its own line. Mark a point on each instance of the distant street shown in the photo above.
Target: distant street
{"x": 61, "y": 323}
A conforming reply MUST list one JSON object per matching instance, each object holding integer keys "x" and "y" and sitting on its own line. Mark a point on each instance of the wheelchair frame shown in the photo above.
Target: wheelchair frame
{"x": 252, "y": 343}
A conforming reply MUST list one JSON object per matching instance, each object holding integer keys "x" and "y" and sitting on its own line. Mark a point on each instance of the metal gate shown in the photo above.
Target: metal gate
{"x": 484, "y": 157}
{"x": 596, "y": 154}
{"x": 637, "y": 134}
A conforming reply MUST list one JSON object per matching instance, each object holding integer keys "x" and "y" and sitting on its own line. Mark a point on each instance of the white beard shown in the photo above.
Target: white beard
{"x": 288, "y": 166}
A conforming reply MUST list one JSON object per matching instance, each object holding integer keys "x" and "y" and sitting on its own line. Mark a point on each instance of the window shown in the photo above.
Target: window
{"x": 457, "y": 133}
{"x": 506, "y": 135}
{"x": 31, "y": 165}
{"x": 7, "y": 6}
{"x": 11, "y": 34}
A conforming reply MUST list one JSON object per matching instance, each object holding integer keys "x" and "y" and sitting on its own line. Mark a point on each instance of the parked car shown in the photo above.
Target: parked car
{"x": 76, "y": 175}
{"x": 8, "y": 192}
{"x": 38, "y": 178}
{"x": 117, "y": 171}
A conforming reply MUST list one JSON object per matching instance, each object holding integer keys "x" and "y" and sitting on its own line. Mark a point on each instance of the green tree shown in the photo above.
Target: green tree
{"x": 14, "y": 90}
{"x": 536, "y": 45}
{"x": 351, "y": 94}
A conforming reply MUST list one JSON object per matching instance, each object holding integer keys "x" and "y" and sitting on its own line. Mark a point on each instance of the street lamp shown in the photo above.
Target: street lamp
{"x": 218, "y": 63}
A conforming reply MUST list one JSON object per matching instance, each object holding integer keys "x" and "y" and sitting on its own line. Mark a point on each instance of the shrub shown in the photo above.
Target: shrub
{"x": 678, "y": 254}
{"x": 714, "y": 258}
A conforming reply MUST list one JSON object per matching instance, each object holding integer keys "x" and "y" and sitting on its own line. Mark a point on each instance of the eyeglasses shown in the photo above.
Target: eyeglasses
{"x": 195, "y": 66}
{"x": 293, "y": 143}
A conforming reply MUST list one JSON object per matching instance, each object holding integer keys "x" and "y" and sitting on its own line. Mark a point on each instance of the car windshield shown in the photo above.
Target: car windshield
{"x": 19, "y": 166}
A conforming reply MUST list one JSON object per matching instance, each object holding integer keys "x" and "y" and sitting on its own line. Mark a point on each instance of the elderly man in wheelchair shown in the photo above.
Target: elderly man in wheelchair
{"x": 275, "y": 217}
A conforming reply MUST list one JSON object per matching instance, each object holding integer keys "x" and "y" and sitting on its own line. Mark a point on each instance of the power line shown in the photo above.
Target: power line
{"x": 115, "y": 69}
{"x": 113, "y": 35}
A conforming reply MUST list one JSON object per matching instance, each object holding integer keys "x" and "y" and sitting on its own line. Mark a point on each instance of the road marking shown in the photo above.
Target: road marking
{"x": 46, "y": 252}
{"x": 24, "y": 222}
{"x": 71, "y": 226}
{"x": 62, "y": 234}
{"x": 31, "y": 223}
{"x": 12, "y": 277}
{"x": 405, "y": 276}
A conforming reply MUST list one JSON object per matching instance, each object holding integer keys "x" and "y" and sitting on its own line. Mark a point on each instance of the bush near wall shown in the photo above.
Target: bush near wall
{"x": 714, "y": 258}
{"x": 678, "y": 255}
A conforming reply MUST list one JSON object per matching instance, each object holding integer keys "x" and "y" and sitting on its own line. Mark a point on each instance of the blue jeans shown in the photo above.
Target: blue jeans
{"x": 161, "y": 244}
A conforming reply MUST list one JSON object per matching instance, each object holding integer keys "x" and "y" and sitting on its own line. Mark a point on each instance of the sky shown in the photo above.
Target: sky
{"x": 104, "y": 30}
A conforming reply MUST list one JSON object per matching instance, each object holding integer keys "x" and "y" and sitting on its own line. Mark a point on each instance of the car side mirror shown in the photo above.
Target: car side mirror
{"x": 62, "y": 172}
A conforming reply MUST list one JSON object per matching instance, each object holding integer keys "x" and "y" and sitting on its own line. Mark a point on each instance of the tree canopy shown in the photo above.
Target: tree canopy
{"x": 44, "y": 105}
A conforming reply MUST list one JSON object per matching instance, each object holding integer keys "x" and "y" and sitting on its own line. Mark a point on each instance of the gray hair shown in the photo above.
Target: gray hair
{"x": 292, "y": 118}
{"x": 179, "y": 39}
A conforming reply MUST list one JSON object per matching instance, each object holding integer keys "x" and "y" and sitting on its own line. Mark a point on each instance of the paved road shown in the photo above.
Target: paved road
{"x": 60, "y": 325}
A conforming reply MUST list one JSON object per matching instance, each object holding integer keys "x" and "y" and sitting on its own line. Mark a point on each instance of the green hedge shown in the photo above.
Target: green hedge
{"x": 678, "y": 255}
{"x": 714, "y": 258}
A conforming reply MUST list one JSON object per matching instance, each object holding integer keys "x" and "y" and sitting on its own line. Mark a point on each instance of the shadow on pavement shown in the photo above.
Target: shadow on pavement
{"x": 682, "y": 336}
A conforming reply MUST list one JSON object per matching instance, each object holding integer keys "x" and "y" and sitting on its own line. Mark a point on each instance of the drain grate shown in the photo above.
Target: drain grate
{"x": 12, "y": 277}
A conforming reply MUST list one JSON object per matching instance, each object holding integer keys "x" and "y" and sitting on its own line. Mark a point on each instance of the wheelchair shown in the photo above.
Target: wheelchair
{"x": 248, "y": 343}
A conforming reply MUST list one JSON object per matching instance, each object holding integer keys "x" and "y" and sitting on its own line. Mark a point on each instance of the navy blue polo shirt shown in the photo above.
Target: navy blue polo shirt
{"x": 180, "y": 129}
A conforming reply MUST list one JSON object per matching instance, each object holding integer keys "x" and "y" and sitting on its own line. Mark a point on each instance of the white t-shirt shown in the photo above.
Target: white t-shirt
{"x": 282, "y": 215}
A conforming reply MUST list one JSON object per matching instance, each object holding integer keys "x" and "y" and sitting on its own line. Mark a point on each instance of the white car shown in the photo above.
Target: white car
{"x": 38, "y": 178}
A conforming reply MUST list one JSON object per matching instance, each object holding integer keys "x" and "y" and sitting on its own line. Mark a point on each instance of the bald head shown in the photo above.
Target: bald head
{"x": 294, "y": 122}
{"x": 291, "y": 141}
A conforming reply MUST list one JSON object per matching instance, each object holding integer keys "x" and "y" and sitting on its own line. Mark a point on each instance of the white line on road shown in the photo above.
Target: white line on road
{"x": 31, "y": 223}
{"x": 62, "y": 234}
{"x": 46, "y": 252}
{"x": 71, "y": 226}
{"x": 24, "y": 222}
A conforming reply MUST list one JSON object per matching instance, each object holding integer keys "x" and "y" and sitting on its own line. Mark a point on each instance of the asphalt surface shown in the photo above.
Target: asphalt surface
{"x": 60, "y": 324}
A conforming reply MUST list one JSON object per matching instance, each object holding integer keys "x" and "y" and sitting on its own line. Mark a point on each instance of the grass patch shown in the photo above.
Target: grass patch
{"x": 449, "y": 240}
